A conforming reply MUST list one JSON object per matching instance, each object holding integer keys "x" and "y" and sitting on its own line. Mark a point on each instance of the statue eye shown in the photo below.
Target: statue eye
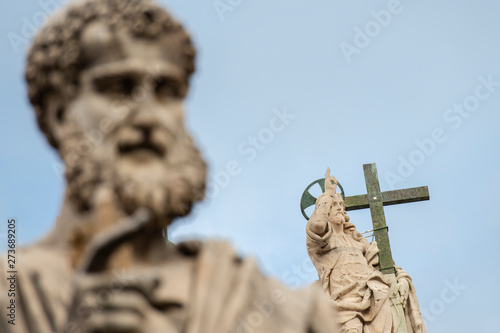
{"x": 115, "y": 86}
{"x": 166, "y": 87}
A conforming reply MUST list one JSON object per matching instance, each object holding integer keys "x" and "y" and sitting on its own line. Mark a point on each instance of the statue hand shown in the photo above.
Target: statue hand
{"x": 329, "y": 187}
{"x": 403, "y": 289}
{"x": 120, "y": 303}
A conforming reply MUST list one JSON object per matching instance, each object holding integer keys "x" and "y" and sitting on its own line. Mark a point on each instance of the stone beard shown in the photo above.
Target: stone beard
{"x": 168, "y": 184}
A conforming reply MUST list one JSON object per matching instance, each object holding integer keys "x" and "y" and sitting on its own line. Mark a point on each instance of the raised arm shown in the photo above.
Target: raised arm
{"x": 318, "y": 223}
{"x": 330, "y": 183}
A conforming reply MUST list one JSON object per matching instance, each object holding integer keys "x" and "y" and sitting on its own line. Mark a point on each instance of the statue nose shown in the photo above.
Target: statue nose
{"x": 145, "y": 122}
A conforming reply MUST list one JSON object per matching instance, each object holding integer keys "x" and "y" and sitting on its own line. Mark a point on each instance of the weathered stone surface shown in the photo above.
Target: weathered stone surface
{"x": 348, "y": 270}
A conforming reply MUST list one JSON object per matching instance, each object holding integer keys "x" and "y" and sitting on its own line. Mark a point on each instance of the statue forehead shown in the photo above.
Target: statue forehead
{"x": 338, "y": 197}
{"x": 102, "y": 46}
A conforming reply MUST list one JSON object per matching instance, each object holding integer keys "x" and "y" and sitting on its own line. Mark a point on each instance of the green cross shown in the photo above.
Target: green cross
{"x": 375, "y": 200}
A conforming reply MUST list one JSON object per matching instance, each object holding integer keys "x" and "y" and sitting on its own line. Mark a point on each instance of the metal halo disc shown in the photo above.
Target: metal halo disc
{"x": 307, "y": 200}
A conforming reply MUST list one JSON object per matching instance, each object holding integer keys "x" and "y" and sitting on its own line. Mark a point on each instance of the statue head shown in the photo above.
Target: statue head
{"x": 338, "y": 213}
{"x": 107, "y": 79}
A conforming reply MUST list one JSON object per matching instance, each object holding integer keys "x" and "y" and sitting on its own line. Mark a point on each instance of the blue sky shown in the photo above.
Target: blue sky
{"x": 417, "y": 92}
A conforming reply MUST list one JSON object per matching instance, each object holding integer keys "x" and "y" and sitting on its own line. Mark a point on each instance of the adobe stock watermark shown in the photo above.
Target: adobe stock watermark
{"x": 364, "y": 36}
{"x": 454, "y": 118}
{"x": 30, "y": 25}
{"x": 299, "y": 273}
{"x": 449, "y": 294}
{"x": 222, "y": 7}
{"x": 263, "y": 308}
{"x": 249, "y": 149}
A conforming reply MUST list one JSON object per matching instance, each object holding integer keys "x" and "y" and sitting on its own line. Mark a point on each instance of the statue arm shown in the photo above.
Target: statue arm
{"x": 410, "y": 302}
{"x": 404, "y": 280}
{"x": 318, "y": 223}
{"x": 318, "y": 229}
{"x": 405, "y": 285}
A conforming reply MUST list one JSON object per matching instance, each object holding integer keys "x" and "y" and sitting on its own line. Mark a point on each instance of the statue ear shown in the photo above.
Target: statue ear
{"x": 54, "y": 108}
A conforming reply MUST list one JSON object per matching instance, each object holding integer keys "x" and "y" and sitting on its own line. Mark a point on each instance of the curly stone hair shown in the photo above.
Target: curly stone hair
{"x": 55, "y": 58}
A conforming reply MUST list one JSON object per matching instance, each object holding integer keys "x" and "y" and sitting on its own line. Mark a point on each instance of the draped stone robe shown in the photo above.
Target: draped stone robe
{"x": 214, "y": 291}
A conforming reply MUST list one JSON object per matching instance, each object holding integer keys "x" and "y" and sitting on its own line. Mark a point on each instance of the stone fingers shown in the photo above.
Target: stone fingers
{"x": 105, "y": 283}
{"x": 118, "y": 322}
{"x": 120, "y": 311}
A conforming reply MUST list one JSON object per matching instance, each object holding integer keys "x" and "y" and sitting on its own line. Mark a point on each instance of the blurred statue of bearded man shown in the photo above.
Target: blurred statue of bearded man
{"x": 107, "y": 79}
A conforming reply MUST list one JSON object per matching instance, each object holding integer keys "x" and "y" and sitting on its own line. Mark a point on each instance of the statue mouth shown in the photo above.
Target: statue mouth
{"x": 142, "y": 148}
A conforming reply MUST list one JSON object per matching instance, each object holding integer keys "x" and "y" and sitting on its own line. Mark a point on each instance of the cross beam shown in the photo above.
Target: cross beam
{"x": 376, "y": 200}
{"x": 406, "y": 195}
